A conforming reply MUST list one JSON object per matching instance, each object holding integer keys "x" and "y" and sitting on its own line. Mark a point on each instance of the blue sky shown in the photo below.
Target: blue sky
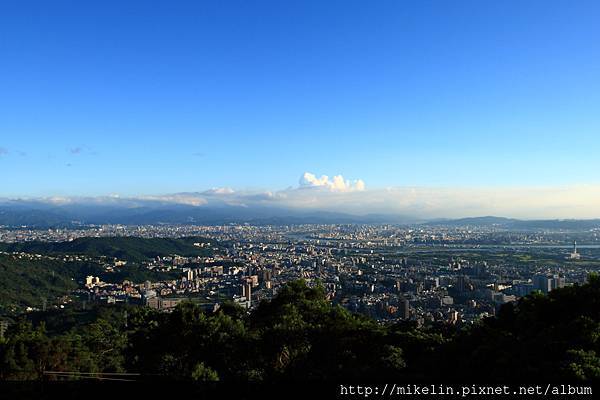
{"x": 153, "y": 97}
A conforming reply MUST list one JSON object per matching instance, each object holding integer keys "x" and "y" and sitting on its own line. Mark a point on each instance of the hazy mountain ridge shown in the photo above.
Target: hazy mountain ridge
{"x": 43, "y": 215}
{"x": 519, "y": 224}
{"x": 39, "y": 214}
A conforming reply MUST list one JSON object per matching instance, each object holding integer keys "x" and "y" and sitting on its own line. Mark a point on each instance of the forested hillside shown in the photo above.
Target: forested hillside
{"x": 26, "y": 282}
{"x": 124, "y": 248}
{"x": 301, "y": 336}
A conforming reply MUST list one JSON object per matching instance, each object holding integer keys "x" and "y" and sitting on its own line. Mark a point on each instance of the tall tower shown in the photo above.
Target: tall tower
{"x": 247, "y": 291}
{"x": 575, "y": 255}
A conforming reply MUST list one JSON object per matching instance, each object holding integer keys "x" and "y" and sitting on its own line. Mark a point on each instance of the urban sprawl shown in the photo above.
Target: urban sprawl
{"x": 454, "y": 275}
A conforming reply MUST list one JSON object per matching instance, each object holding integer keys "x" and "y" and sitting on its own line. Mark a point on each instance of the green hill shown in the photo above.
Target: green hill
{"x": 27, "y": 282}
{"x": 124, "y": 248}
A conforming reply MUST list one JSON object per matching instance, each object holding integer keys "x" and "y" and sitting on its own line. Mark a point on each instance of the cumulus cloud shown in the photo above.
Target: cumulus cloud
{"x": 221, "y": 190}
{"x": 414, "y": 203}
{"x": 336, "y": 184}
{"x": 419, "y": 203}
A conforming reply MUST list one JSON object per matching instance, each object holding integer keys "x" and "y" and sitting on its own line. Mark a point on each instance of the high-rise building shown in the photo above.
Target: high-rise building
{"x": 542, "y": 283}
{"x": 267, "y": 274}
{"x": 453, "y": 316}
{"x": 557, "y": 282}
{"x": 247, "y": 291}
{"x": 404, "y": 309}
{"x": 462, "y": 283}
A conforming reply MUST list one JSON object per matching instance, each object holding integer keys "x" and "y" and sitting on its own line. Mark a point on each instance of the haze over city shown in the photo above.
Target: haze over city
{"x": 462, "y": 109}
{"x": 354, "y": 197}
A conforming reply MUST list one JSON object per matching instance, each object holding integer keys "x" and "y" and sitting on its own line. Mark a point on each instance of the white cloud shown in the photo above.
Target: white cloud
{"x": 336, "y": 184}
{"x": 359, "y": 184}
{"x": 577, "y": 201}
{"x": 340, "y": 195}
{"x": 221, "y": 190}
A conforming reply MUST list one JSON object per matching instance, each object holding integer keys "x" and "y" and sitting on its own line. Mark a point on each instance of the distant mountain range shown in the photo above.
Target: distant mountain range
{"x": 519, "y": 224}
{"x": 44, "y": 215}
{"x": 39, "y": 214}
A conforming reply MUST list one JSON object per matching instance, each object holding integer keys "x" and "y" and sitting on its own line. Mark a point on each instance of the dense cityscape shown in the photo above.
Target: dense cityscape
{"x": 426, "y": 273}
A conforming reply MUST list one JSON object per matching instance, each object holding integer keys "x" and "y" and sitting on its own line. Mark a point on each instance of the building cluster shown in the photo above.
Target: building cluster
{"x": 387, "y": 272}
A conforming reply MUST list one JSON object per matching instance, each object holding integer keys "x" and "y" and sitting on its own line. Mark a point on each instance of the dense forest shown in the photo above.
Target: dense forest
{"x": 299, "y": 335}
{"x": 30, "y": 282}
{"x": 124, "y": 248}
{"x": 27, "y": 282}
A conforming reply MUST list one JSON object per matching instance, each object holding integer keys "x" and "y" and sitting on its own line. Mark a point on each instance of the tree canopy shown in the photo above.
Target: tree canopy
{"x": 299, "y": 335}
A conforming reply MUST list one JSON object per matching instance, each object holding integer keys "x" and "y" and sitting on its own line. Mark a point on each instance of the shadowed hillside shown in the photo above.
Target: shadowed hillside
{"x": 124, "y": 248}
{"x": 301, "y": 336}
